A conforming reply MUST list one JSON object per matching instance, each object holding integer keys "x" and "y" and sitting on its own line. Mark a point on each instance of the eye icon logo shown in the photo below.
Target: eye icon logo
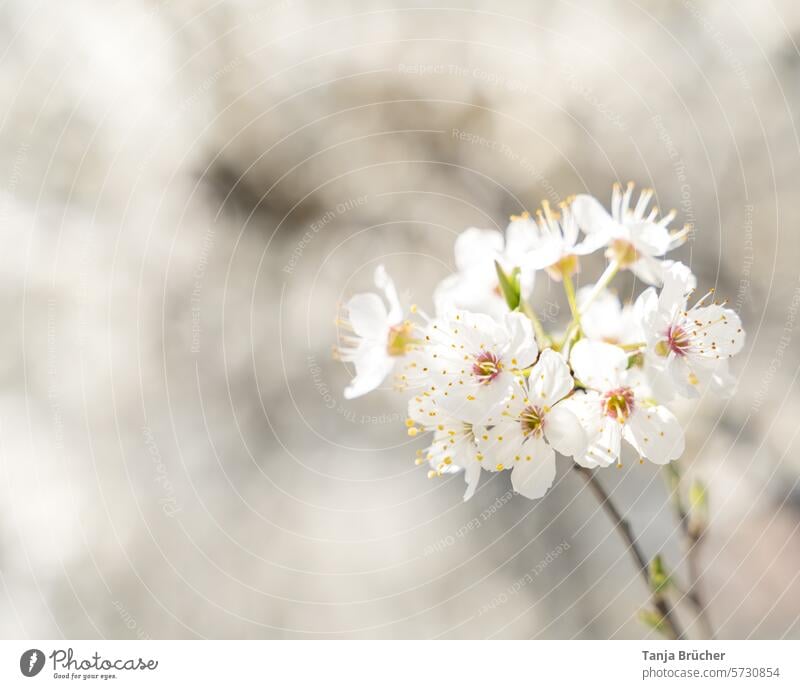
{"x": 31, "y": 662}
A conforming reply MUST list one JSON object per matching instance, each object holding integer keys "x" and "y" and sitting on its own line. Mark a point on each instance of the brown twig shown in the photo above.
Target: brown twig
{"x": 692, "y": 536}
{"x": 623, "y": 527}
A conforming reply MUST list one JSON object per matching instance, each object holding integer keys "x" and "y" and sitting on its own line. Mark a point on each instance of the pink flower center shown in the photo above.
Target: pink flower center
{"x": 618, "y": 403}
{"x": 487, "y": 367}
{"x": 676, "y": 340}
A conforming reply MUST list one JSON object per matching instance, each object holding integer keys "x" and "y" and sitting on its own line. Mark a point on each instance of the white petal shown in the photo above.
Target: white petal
{"x": 655, "y": 433}
{"x": 646, "y": 309}
{"x": 475, "y": 247}
{"x": 601, "y": 320}
{"x": 717, "y": 377}
{"x": 630, "y": 327}
{"x": 649, "y": 270}
{"x": 564, "y": 431}
{"x": 697, "y": 376}
{"x": 679, "y": 281}
{"x": 598, "y": 365}
{"x": 666, "y": 376}
{"x": 489, "y": 399}
{"x": 472, "y": 475}
{"x": 527, "y": 279}
{"x": 372, "y": 364}
{"x": 469, "y": 292}
{"x": 501, "y": 445}
{"x": 425, "y": 411}
{"x": 479, "y": 327}
{"x": 367, "y": 314}
{"x": 591, "y": 242}
{"x": 514, "y": 404}
{"x": 547, "y": 251}
{"x": 604, "y": 448}
{"x": 550, "y": 379}
{"x": 522, "y": 346}
{"x": 520, "y": 237}
{"x": 569, "y": 228}
{"x": 652, "y": 239}
{"x": 476, "y": 404}
{"x": 717, "y": 331}
{"x": 591, "y": 216}
{"x": 385, "y": 283}
{"x": 536, "y": 470}
{"x": 587, "y": 407}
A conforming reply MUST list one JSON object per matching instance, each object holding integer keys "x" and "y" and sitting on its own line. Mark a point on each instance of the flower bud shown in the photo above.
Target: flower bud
{"x": 660, "y": 579}
{"x": 652, "y": 619}
{"x": 698, "y": 509}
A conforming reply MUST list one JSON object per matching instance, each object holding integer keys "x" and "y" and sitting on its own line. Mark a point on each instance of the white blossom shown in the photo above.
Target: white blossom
{"x": 453, "y": 445}
{"x": 475, "y": 287}
{"x": 491, "y": 400}
{"x": 635, "y": 237}
{"x": 471, "y": 361}
{"x": 616, "y": 406}
{"x": 378, "y": 336}
{"x": 554, "y": 244}
{"x": 608, "y": 320}
{"x": 688, "y": 346}
{"x": 533, "y": 424}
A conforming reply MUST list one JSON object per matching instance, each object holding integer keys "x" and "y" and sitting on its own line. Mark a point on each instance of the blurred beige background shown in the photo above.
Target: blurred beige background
{"x": 188, "y": 190}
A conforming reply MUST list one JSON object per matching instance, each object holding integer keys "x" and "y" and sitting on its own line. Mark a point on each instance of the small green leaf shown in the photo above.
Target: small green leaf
{"x": 653, "y": 620}
{"x": 673, "y": 472}
{"x": 636, "y": 360}
{"x": 698, "y": 495}
{"x": 509, "y": 285}
{"x": 698, "y": 509}
{"x": 660, "y": 579}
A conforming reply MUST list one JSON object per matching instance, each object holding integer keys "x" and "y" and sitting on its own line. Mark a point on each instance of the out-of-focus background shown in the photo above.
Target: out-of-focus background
{"x": 188, "y": 191}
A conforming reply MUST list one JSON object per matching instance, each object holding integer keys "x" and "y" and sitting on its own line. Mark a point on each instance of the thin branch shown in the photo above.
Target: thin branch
{"x": 692, "y": 538}
{"x": 624, "y": 529}
{"x": 693, "y": 592}
{"x": 605, "y": 279}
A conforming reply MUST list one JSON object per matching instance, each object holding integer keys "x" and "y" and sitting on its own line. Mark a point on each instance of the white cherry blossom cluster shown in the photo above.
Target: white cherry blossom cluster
{"x": 496, "y": 392}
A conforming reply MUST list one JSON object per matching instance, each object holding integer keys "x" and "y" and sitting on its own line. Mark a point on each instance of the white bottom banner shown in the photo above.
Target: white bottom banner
{"x": 400, "y": 664}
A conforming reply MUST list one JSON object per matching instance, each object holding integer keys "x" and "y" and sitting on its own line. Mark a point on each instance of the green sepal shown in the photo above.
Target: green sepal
{"x": 509, "y": 286}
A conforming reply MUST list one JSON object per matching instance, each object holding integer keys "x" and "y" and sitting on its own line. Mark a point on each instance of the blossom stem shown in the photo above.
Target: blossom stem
{"x": 569, "y": 289}
{"x": 572, "y": 331}
{"x": 541, "y": 336}
{"x": 574, "y": 328}
{"x": 692, "y": 538}
{"x": 671, "y": 626}
{"x": 633, "y": 346}
{"x": 605, "y": 280}
{"x": 575, "y": 325}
